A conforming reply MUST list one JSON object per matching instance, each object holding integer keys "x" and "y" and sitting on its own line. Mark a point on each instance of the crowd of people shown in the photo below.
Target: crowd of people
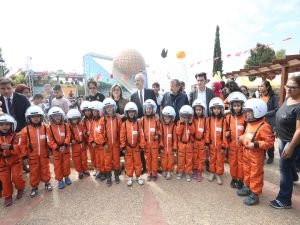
{"x": 189, "y": 133}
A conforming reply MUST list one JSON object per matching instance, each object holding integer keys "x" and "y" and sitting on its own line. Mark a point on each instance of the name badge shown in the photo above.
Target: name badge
{"x": 97, "y": 129}
{"x": 200, "y": 129}
{"x": 219, "y": 129}
{"x": 152, "y": 129}
{"x": 169, "y": 135}
{"x": 80, "y": 133}
{"x": 134, "y": 132}
{"x": 62, "y": 134}
{"x": 240, "y": 127}
{"x": 43, "y": 137}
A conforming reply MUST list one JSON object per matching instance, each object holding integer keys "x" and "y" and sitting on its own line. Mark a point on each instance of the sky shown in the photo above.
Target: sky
{"x": 57, "y": 33}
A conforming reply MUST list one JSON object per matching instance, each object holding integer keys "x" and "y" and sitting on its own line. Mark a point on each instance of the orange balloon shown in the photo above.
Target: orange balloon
{"x": 180, "y": 55}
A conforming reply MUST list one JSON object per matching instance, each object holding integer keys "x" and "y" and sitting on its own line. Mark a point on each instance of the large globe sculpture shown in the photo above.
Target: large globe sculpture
{"x": 125, "y": 65}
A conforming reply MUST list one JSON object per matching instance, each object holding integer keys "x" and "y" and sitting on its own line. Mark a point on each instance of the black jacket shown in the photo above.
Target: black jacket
{"x": 209, "y": 95}
{"x": 176, "y": 101}
{"x": 19, "y": 104}
{"x": 98, "y": 97}
{"x": 272, "y": 109}
{"x": 149, "y": 94}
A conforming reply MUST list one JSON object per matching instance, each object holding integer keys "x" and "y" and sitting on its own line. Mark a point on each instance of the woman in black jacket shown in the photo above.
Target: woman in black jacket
{"x": 267, "y": 94}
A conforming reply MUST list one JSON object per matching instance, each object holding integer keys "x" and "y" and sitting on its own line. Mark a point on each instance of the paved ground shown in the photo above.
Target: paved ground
{"x": 164, "y": 202}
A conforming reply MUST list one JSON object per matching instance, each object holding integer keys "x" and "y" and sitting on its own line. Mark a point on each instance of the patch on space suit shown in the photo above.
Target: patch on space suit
{"x": 200, "y": 129}
{"x": 219, "y": 129}
{"x": 135, "y": 132}
{"x": 43, "y": 137}
{"x": 62, "y": 134}
{"x": 152, "y": 130}
{"x": 240, "y": 127}
{"x": 169, "y": 135}
{"x": 98, "y": 129}
{"x": 249, "y": 136}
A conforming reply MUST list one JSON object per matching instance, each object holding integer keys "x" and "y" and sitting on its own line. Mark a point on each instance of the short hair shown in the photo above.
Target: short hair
{"x": 182, "y": 83}
{"x": 156, "y": 84}
{"x": 91, "y": 81}
{"x": 201, "y": 75}
{"x": 38, "y": 96}
{"x": 140, "y": 74}
{"x": 57, "y": 88}
{"x": 296, "y": 79}
{"x": 6, "y": 80}
{"x": 20, "y": 88}
{"x": 177, "y": 82}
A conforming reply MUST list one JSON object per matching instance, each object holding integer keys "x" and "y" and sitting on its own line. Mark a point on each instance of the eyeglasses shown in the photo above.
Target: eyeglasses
{"x": 291, "y": 87}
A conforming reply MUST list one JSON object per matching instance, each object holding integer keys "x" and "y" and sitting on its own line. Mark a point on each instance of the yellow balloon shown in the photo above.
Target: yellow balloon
{"x": 180, "y": 55}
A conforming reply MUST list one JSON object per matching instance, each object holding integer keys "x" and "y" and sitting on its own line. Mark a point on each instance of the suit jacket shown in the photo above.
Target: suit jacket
{"x": 148, "y": 94}
{"x": 19, "y": 104}
{"x": 209, "y": 95}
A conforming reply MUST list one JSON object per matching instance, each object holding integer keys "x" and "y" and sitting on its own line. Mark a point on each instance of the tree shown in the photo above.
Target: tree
{"x": 280, "y": 54}
{"x": 261, "y": 54}
{"x": 218, "y": 62}
{"x": 3, "y": 69}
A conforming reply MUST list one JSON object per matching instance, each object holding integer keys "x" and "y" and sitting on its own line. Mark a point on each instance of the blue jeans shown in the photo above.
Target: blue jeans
{"x": 287, "y": 174}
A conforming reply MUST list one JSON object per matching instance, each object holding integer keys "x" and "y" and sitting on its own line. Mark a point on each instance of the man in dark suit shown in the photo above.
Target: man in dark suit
{"x": 142, "y": 94}
{"x": 202, "y": 92}
{"x": 139, "y": 97}
{"x": 14, "y": 104}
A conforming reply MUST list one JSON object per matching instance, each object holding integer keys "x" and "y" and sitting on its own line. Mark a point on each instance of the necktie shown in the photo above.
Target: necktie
{"x": 9, "y": 106}
{"x": 141, "y": 98}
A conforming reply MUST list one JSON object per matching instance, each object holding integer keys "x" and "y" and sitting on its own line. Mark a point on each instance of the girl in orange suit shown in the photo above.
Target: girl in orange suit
{"x": 216, "y": 140}
{"x": 132, "y": 141}
{"x": 10, "y": 160}
{"x": 59, "y": 136}
{"x": 34, "y": 147}
{"x": 236, "y": 127}
{"x": 258, "y": 138}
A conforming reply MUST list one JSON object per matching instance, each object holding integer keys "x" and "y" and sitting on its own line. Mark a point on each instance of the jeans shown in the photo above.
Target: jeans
{"x": 287, "y": 174}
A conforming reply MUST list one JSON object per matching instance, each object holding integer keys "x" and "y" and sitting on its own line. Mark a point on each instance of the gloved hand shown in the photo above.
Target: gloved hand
{"x": 174, "y": 151}
{"x": 161, "y": 149}
{"x": 141, "y": 149}
{"x": 123, "y": 150}
{"x": 223, "y": 150}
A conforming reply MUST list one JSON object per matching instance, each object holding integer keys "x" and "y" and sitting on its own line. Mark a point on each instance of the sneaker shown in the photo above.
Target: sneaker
{"x": 80, "y": 176}
{"x": 195, "y": 174}
{"x": 149, "y": 177}
{"x": 68, "y": 181}
{"x": 188, "y": 178}
{"x": 20, "y": 194}
{"x": 140, "y": 180}
{"x": 98, "y": 176}
{"x": 48, "y": 187}
{"x": 245, "y": 191}
{"x": 233, "y": 183}
{"x": 219, "y": 179}
{"x": 179, "y": 176}
{"x": 252, "y": 199}
{"x": 109, "y": 181}
{"x": 130, "y": 182}
{"x": 270, "y": 160}
{"x": 34, "y": 192}
{"x": 95, "y": 172}
{"x": 86, "y": 173}
{"x": 239, "y": 184}
{"x": 199, "y": 177}
{"x": 61, "y": 184}
{"x": 154, "y": 178}
{"x": 279, "y": 205}
{"x": 211, "y": 177}
{"x": 8, "y": 201}
{"x": 102, "y": 177}
{"x": 168, "y": 177}
{"x": 164, "y": 174}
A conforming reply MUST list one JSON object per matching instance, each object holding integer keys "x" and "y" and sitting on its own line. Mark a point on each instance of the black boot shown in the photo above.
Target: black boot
{"x": 117, "y": 178}
{"x": 108, "y": 181}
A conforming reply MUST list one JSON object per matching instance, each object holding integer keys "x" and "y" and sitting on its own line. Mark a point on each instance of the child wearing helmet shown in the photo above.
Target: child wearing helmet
{"x": 151, "y": 129}
{"x": 10, "y": 160}
{"x": 87, "y": 123}
{"x": 109, "y": 138}
{"x": 185, "y": 131}
{"x": 258, "y": 138}
{"x": 168, "y": 141}
{"x": 216, "y": 139}
{"x": 77, "y": 145}
{"x": 34, "y": 147}
{"x": 96, "y": 148}
{"x": 132, "y": 140}
{"x": 59, "y": 136}
{"x": 199, "y": 150}
{"x": 236, "y": 127}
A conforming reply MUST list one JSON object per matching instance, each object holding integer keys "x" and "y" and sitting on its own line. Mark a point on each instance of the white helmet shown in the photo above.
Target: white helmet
{"x": 131, "y": 106}
{"x": 85, "y": 105}
{"x": 258, "y": 106}
{"x": 237, "y": 97}
{"x": 151, "y": 103}
{"x": 199, "y": 102}
{"x": 73, "y": 114}
{"x": 55, "y": 111}
{"x": 169, "y": 111}
{"x": 33, "y": 111}
{"x": 96, "y": 105}
{"x": 5, "y": 118}
{"x": 216, "y": 101}
{"x": 186, "y": 110}
{"x": 109, "y": 102}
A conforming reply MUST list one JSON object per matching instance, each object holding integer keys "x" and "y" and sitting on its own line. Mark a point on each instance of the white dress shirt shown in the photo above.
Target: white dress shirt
{"x": 202, "y": 97}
